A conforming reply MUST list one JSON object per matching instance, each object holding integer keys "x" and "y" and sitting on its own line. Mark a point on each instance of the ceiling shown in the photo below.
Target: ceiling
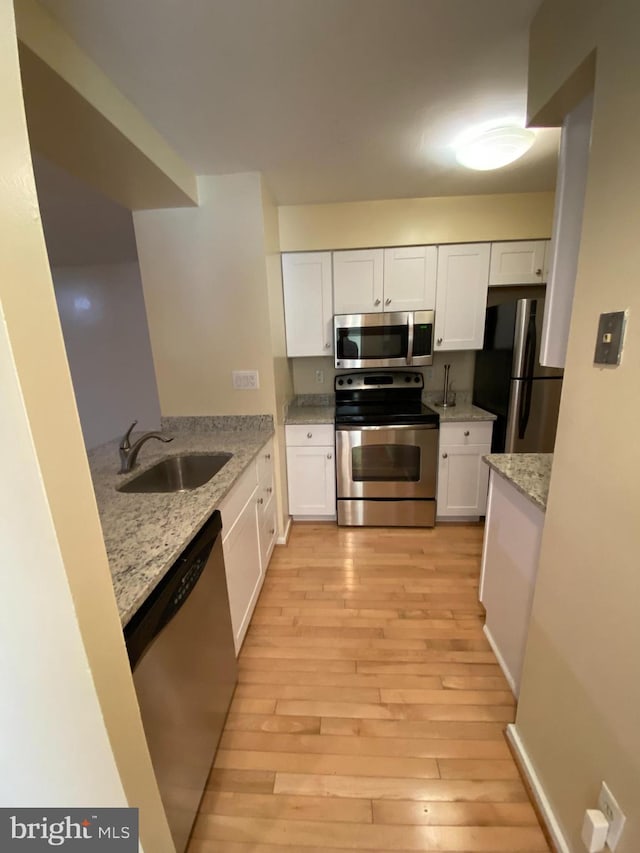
{"x": 332, "y": 100}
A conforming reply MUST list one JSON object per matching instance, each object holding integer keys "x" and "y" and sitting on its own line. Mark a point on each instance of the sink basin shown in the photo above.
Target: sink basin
{"x": 178, "y": 473}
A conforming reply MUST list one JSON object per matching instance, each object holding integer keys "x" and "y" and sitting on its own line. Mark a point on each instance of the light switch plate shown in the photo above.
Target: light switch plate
{"x": 610, "y": 338}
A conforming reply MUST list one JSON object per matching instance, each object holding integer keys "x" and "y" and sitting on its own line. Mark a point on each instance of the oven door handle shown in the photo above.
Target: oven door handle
{"x": 410, "y": 338}
{"x": 360, "y": 428}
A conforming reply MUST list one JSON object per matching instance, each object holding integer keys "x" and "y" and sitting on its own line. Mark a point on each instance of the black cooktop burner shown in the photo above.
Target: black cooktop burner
{"x": 381, "y": 399}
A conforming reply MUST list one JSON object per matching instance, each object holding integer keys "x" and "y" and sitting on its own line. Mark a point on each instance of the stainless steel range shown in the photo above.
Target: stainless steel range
{"x": 386, "y": 450}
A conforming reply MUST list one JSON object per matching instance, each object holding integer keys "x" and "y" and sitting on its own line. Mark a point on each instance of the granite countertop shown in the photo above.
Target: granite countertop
{"x": 312, "y": 409}
{"x": 528, "y": 472}
{"x": 145, "y": 533}
{"x": 461, "y": 412}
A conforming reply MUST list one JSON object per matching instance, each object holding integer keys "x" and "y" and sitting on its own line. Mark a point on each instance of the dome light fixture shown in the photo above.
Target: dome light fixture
{"x": 494, "y": 148}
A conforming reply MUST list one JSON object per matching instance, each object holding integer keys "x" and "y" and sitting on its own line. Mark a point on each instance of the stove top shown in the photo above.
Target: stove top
{"x": 381, "y": 399}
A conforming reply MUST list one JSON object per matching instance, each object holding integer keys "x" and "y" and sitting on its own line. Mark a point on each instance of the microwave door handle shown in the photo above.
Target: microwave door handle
{"x": 410, "y": 339}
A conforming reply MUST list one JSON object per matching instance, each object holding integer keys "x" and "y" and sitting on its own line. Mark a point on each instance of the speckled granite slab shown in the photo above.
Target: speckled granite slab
{"x": 311, "y": 409}
{"x": 528, "y": 472}
{"x": 461, "y": 412}
{"x": 145, "y": 533}
{"x": 227, "y": 423}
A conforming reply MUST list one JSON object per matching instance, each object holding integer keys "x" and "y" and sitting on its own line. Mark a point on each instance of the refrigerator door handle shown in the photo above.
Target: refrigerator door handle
{"x": 524, "y": 409}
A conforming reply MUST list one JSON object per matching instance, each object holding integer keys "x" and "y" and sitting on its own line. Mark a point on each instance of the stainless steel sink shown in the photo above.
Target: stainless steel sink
{"x": 178, "y": 473}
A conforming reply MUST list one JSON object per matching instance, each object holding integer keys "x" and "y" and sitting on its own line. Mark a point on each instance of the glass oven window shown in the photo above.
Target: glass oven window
{"x": 371, "y": 342}
{"x": 384, "y": 463}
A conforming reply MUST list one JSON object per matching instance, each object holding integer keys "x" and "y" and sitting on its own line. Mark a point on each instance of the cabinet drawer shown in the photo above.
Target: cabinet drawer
{"x": 311, "y": 435}
{"x": 466, "y": 433}
{"x": 232, "y": 504}
{"x": 265, "y": 464}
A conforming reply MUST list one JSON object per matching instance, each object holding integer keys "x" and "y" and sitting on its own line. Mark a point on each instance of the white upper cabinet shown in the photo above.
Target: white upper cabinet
{"x": 370, "y": 280}
{"x": 410, "y": 278}
{"x": 461, "y": 296}
{"x": 308, "y": 303}
{"x": 358, "y": 281}
{"x": 517, "y": 262}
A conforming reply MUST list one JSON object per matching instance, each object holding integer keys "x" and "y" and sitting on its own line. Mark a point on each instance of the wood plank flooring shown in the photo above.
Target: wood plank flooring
{"x": 370, "y": 710}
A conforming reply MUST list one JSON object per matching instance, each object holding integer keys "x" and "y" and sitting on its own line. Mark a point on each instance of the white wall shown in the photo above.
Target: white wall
{"x": 105, "y": 330}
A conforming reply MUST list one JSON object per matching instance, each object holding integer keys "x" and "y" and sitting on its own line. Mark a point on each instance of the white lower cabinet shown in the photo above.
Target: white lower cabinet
{"x": 248, "y": 536}
{"x": 311, "y": 470}
{"x": 462, "y": 475}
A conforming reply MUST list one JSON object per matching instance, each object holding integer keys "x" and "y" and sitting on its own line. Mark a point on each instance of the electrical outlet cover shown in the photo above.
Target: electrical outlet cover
{"x": 609, "y": 807}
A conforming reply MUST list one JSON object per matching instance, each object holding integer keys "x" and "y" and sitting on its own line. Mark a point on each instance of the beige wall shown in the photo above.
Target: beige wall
{"x": 462, "y": 365}
{"x": 213, "y": 294}
{"x": 66, "y": 529}
{"x": 205, "y": 286}
{"x": 415, "y": 221}
{"x": 578, "y": 708}
{"x": 282, "y": 373}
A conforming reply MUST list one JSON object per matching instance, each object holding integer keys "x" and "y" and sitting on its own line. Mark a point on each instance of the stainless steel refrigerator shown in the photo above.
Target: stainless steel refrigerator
{"x": 510, "y": 382}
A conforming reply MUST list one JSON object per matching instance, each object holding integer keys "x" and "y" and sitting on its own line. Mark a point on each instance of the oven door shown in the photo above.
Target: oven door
{"x": 393, "y": 462}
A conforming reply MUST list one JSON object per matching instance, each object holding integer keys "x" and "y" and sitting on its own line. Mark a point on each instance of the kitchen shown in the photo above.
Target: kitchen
{"x": 589, "y": 331}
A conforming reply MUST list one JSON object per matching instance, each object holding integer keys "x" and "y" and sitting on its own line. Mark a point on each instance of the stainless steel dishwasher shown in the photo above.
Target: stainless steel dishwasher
{"x": 180, "y": 646}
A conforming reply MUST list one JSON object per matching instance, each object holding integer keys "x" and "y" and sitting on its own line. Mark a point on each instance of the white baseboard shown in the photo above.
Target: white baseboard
{"x": 543, "y": 804}
{"x": 501, "y": 661}
{"x": 282, "y": 540}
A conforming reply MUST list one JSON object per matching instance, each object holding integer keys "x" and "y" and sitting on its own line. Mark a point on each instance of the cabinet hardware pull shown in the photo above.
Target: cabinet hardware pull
{"x": 387, "y": 302}
{"x": 538, "y": 272}
{"x": 377, "y": 302}
{"x": 267, "y": 456}
{"x": 329, "y": 456}
{"x": 439, "y": 341}
{"x": 327, "y": 346}
{"x": 260, "y": 500}
{"x": 269, "y": 490}
{"x": 466, "y": 432}
{"x": 445, "y": 455}
{"x": 272, "y": 531}
{"x": 309, "y": 435}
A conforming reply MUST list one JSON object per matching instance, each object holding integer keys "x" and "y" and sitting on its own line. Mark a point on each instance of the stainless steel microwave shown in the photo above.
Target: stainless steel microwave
{"x": 393, "y": 339}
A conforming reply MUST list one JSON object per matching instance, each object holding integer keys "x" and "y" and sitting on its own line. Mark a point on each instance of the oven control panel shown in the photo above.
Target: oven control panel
{"x": 378, "y": 379}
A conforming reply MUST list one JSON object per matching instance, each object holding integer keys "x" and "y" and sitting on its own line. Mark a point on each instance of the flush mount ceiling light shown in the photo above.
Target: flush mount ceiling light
{"x": 494, "y": 148}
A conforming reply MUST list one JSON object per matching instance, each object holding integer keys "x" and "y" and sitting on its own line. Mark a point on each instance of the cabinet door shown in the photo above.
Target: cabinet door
{"x": 461, "y": 296}
{"x": 518, "y": 262}
{"x": 410, "y": 278}
{"x": 357, "y": 281}
{"x": 308, "y": 303}
{"x": 241, "y": 549}
{"x": 312, "y": 481}
{"x": 462, "y": 481}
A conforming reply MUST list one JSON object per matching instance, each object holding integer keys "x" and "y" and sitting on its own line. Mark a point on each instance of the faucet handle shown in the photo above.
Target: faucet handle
{"x": 125, "y": 444}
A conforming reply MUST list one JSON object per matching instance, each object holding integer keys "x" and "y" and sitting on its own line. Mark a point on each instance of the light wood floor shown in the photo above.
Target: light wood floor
{"x": 370, "y": 709}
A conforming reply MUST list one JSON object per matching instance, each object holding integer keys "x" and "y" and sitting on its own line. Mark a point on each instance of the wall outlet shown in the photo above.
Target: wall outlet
{"x": 609, "y": 807}
{"x": 245, "y": 380}
{"x": 320, "y": 377}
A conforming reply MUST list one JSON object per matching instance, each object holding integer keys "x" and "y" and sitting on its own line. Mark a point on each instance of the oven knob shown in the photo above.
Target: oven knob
{"x": 407, "y": 379}
{"x": 416, "y": 379}
{"x": 349, "y": 381}
{"x": 340, "y": 381}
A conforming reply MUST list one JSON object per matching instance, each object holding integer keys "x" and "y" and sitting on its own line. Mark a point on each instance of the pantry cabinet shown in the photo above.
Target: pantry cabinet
{"x": 462, "y": 475}
{"x": 461, "y": 296}
{"x": 308, "y": 303}
{"x": 518, "y": 262}
{"x": 311, "y": 470}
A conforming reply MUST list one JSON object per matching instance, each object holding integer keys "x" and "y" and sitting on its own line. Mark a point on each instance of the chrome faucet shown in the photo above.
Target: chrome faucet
{"x": 129, "y": 452}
